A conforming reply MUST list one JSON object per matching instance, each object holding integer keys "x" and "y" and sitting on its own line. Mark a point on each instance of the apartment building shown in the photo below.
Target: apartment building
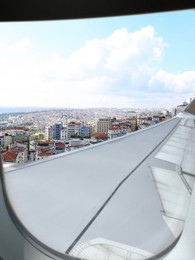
{"x": 86, "y": 131}
{"x": 48, "y": 132}
{"x": 64, "y": 134}
{"x": 103, "y": 125}
{"x": 57, "y": 127}
{"x": 74, "y": 129}
{"x": 117, "y": 131}
{"x": 15, "y": 155}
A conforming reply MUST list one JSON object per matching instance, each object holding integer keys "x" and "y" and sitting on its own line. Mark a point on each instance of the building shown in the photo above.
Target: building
{"x": 1, "y": 141}
{"x": 15, "y": 155}
{"x": 22, "y": 154}
{"x": 8, "y": 139}
{"x": 45, "y": 146}
{"x": 59, "y": 147}
{"x": 3, "y": 124}
{"x": 103, "y": 125}
{"x": 44, "y": 149}
{"x": 115, "y": 132}
{"x": 74, "y": 129}
{"x": 77, "y": 143}
{"x": 86, "y": 131}
{"x": 48, "y": 132}
{"x": 9, "y": 157}
{"x": 57, "y": 131}
{"x": 64, "y": 134}
{"x": 41, "y": 156}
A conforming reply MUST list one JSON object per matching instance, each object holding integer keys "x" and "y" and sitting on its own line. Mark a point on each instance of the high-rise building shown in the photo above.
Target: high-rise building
{"x": 103, "y": 125}
{"x": 74, "y": 129}
{"x": 57, "y": 131}
{"x": 48, "y": 132}
{"x": 64, "y": 134}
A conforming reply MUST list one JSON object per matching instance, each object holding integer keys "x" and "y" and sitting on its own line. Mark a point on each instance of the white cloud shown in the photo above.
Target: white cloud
{"x": 183, "y": 82}
{"x": 16, "y": 47}
{"x": 120, "y": 70}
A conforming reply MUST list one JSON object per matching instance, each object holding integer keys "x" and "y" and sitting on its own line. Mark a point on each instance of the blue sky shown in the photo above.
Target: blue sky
{"x": 130, "y": 61}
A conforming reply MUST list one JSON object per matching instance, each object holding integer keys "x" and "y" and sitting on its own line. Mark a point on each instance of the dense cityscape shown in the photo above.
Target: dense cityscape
{"x": 36, "y": 134}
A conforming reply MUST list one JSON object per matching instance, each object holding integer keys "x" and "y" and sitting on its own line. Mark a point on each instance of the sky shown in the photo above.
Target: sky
{"x": 128, "y": 61}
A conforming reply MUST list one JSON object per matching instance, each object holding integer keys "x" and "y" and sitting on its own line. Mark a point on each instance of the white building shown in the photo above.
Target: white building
{"x": 48, "y": 132}
{"x": 115, "y": 132}
{"x": 8, "y": 140}
{"x": 22, "y": 156}
{"x": 3, "y": 124}
{"x": 74, "y": 129}
{"x": 64, "y": 134}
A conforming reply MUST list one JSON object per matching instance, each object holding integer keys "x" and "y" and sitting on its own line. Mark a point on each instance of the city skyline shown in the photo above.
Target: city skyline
{"x": 131, "y": 61}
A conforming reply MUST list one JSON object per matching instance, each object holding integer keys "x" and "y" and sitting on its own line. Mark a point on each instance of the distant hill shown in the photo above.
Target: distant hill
{"x": 5, "y": 110}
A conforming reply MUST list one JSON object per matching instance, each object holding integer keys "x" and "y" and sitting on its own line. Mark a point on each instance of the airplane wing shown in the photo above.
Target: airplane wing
{"x": 127, "y": 198}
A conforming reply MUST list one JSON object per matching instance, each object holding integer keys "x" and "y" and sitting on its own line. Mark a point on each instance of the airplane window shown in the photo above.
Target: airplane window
{"x": 73, "y": 74}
